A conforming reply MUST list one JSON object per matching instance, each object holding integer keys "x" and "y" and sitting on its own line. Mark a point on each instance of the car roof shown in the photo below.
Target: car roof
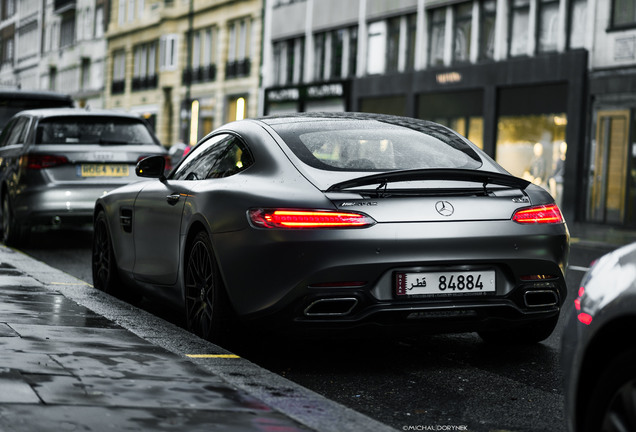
{"x": 60, "y": 112}
{"x": 310, "y": 117}
{"x": 34, "y": 95}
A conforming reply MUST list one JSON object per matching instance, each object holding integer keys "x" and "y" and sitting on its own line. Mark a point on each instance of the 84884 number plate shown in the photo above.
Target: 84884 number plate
{"x": 445, "y": 283}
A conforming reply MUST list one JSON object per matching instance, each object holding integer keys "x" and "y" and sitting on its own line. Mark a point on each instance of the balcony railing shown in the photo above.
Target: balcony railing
{"x": 201, "y": 74}
{"x": 144, "y": 83}
{"x": 237, "y": 69}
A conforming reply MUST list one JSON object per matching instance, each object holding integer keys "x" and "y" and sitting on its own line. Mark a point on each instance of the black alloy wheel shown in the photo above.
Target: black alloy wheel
{"x": 207, "y": 308}
{"x": 13, "y": 234}
{"x": 105, "y": 276}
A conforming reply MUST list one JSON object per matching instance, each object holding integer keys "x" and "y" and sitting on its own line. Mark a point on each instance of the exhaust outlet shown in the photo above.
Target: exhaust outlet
{"x": 331, "y": 307}
{"x": 540, "y": 298}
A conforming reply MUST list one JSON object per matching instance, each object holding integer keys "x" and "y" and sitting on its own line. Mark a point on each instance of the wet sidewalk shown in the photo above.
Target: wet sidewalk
{"x": 68, "y": 363}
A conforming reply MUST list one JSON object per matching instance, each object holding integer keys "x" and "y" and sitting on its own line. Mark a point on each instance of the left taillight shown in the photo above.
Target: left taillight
{"x": 43, "y": 161}
{"x": 308, "y": 219}
{"x": 543, "y": 214}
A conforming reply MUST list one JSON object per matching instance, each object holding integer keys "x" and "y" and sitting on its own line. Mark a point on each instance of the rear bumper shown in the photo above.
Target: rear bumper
{"x": 59, "y": 205}
{"x": 299, "y": 269}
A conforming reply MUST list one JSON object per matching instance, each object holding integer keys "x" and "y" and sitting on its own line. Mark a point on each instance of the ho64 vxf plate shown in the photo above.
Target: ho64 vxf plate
{"x": 445, "y": 283}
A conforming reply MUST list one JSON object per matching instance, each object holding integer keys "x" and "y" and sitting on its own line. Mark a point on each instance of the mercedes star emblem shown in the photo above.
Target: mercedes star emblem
{"x": 444, "y": 208}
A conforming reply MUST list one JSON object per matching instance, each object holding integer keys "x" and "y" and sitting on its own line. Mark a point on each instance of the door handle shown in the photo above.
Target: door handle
{"x": 173, "y": 199}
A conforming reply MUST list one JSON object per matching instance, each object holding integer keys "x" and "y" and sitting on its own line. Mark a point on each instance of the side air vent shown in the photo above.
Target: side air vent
{"x": 125, "y": 219}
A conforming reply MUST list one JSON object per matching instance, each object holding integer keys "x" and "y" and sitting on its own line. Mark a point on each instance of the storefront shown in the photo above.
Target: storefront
{"x": 611, "y": 179}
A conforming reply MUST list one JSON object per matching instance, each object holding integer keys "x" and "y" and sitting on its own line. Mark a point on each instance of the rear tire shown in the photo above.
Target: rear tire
{"x": 207, "y": 307}
{"x": 532, "y": 333}
{"x": 13, "y": 233}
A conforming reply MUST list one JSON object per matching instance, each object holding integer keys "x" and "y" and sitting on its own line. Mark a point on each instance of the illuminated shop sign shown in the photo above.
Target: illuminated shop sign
{"x": 325, "y": 90}
{"x": 288, "y": 94}
{"x": 448, "y": 77}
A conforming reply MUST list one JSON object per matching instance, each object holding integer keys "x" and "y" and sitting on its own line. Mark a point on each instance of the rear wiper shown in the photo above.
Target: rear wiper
{"x": 483, "y": 177}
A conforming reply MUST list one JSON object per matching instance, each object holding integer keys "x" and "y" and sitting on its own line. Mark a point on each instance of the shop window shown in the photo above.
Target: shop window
{"x": 487, "y": 30}
{"x": 462, "y": 32}
{"x": 437, "y": 21}
{"x": 236, "y": 108}
{"x": 394, "y": 105}
{"x": 533, "y": 147}
{"x": 519, "y": 27}
{"x": 623, "y": 13}
{"x": 548, "y": 25}
{"x": 577, "y": 20}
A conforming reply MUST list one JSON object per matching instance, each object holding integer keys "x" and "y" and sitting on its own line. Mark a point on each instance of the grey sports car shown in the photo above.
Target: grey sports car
{"x": 349, "y": 221}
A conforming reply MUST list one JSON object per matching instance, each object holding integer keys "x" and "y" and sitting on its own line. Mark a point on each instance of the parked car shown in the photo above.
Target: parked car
{"x": 54, "y": 164}
{"x": 338, "y": 221}
{"x": 599, "y": 350}
{"x": 14, "y": 101}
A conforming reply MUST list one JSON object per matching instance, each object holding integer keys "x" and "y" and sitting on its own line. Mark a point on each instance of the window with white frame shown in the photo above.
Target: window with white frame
{"x": 288, "y": 61}
{"x": 462, "y": 32}
{"x": 67, "y": 30}
{"x": 319, "y": 56}
{"x": 238, "y": 63}
{"x": 577, "y": 19}
{"x": 519, "y": 27}
{"x": 131, "y": 11}
{"x": 121, "y": 12}
{"x": 145, "y": 66}
{"x": 99, "y": 22}
{"x": 623, "y": 13}
{"x": 548, "y": 25}
{"x": 393, "y": 45}
{"x": 437, "y": 36}
{"x": 119, "y": 71}
{"x": 487, "y": 30}
{"x": 168, "y": 50}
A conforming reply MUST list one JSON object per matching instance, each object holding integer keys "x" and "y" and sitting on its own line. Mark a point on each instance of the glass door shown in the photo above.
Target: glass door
{"x": 609, "y": 169}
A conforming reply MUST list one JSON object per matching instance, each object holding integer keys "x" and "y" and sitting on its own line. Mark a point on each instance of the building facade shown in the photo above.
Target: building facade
{"x": 54, "y": 45}
{"x": 511, "y": 75}
{"x": 610, "y": 176}
{"x": 188, "y": 66}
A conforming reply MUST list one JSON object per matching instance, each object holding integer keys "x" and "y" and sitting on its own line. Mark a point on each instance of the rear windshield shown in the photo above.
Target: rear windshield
{"x": 93, "y": 130}
{"x": 377, "y": 146}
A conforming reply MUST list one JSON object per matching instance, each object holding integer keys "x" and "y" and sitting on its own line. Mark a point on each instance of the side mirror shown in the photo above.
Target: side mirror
{"x": 151, "y": 167}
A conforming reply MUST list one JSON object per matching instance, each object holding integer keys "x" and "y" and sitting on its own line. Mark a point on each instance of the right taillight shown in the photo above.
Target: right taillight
{"x": 543, "y": 214}
{"x": 42, "y": 161}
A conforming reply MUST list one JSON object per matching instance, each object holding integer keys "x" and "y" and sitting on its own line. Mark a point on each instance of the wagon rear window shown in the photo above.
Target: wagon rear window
{"x": 92, "y": 130}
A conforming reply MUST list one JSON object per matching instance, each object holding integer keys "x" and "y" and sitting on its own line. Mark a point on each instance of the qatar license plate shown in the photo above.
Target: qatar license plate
{"x": 103, "y": 170}
{"x": 445, "y": 283}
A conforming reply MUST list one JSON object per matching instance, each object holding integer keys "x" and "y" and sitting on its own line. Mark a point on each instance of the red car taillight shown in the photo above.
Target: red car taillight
{"x": 42, "y": 161}
{"x": 308, "y": 219}
{"x": 543, "y": 214}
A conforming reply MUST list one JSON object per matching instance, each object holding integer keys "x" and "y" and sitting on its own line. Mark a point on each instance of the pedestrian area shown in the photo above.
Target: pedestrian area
{"x": 64, "y": 367}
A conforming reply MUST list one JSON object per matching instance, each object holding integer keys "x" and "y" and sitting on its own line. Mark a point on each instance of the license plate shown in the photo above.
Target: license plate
{"x": 102, "y": 170}
{"x": 445, "y": 283}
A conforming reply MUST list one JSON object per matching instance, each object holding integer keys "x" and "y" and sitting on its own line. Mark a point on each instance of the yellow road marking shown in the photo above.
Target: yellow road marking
{"x": 232, "y": 356}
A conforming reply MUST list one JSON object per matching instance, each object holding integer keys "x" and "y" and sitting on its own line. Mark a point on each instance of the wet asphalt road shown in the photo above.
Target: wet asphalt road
{"x": 449, "y": 382}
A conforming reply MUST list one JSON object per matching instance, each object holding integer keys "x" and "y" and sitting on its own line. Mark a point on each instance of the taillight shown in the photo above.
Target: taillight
{"x": 583, "y": 317}
{"x": 42, "y": 161}
{"x": 543, "y": 214}
{"x": 308, "y": 219}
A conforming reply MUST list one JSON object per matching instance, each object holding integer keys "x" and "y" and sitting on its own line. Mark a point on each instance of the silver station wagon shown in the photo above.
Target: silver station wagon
{"x": 55, "y": 163}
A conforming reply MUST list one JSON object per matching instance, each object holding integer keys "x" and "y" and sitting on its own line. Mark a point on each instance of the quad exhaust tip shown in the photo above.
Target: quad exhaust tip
{"x": 540, "y": 298}
{"x": 331, "y": 307}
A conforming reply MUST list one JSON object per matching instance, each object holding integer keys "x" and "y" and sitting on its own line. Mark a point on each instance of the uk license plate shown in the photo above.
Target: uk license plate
{"x": 103, "y": 170}
{"x": 445, "y": 283}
